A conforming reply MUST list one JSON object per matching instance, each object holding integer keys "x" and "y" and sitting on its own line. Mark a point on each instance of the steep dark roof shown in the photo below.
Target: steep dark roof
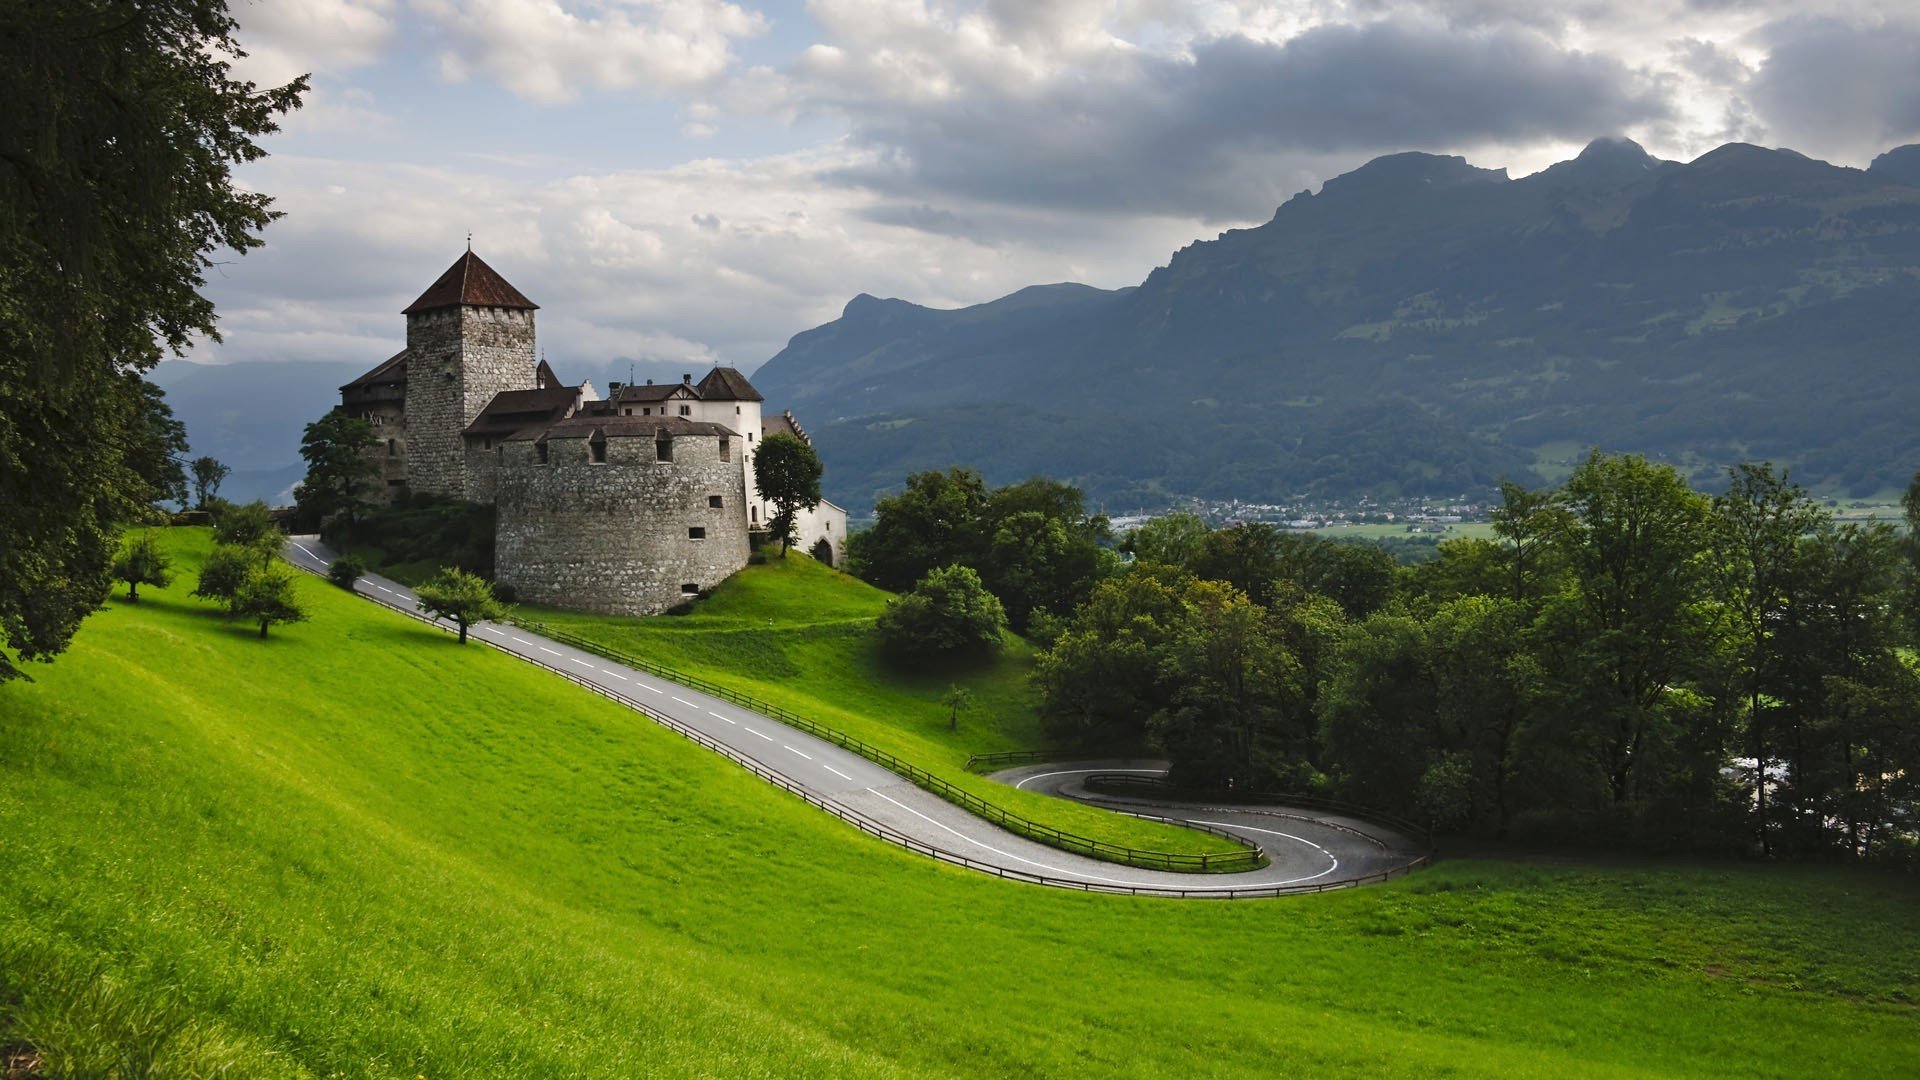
{"x": 654, "y": 392}
{"x": 515, "y": 410}
{"x": 783, "y": 424}
{"x": 391, "y": 370}
{"x": 469, "y": 282}
{"x": 727, "y": 384}
{"x": 622, "y": 427}
{"x": 543, "y": 376}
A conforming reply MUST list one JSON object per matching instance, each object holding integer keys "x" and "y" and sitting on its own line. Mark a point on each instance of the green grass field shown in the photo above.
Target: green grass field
{"x": 800, "y": 635}
{"x": 357, "y": 849}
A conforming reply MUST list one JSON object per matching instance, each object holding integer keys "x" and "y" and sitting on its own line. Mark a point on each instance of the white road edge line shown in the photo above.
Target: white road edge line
{"x": 1075, "y": 772}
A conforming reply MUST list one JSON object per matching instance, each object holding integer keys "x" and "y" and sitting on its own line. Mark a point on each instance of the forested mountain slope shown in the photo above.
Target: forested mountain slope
{"x": 1422, "y": 325}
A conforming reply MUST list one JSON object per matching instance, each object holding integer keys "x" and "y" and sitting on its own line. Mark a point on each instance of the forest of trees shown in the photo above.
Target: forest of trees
{"x": 1630, "y": 663}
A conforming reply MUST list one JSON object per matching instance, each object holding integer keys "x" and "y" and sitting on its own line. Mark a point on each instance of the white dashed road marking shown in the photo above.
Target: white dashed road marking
{"x": 809, "y": 757}
{"x": 838, "y": 773}
{"x": 750, "y": 731}
{"x": 581, "y": 662}
{"x": 544, "y": 649}
{"x": 684, "y": 701}
{"x": 615, "y": 674}
{"x": 653, "y": 689}
{"x": 717, "y": 716}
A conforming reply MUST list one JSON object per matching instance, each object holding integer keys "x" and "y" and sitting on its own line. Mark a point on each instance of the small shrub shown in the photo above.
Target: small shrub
{"x": 346, "y": 570}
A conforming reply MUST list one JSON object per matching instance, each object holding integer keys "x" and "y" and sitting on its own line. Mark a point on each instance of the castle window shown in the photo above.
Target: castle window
{"x": 646, "y": 412}
{"x": 726, "y": 448}
{"x": 663, "y": 449}
{"x": 629, "y": 412}
{"x": 697, "y": 532}
{"x": 716, "y": 501}
{"x": 597, "y": 451}
{"x": 736, "y": 410}
{"x": 540, "y": 452}
{"x": 749, "y": 436}
{"x": 753, "y": 512}
{"x": 393, "y": 448}
{"x": 486, "y": 444}
{"x": 686, "y": 410}
{"x": 691, "y": 588}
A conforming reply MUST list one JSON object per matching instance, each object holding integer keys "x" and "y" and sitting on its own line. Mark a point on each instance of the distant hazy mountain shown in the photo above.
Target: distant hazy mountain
{"x": 1422, "y": 325}
{"x": 250, "y": 416}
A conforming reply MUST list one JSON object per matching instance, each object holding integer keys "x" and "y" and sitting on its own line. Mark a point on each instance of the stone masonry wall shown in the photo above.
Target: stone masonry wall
{"x": 458, "y": 358}
{"x": 613, "y": 537}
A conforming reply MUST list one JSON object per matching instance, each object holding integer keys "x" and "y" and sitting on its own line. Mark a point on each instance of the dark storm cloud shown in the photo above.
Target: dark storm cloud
{"x": 1837, "y": 88}
{"x": 1243, "y": 123}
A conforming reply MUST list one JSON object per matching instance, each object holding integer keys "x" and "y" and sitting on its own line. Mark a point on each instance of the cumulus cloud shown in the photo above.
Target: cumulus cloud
{"x": 284, "y": 40}
{"x": 710, "y": 260}
{"x": 1830, "y": 87}
{"x": 1224, "y": 130}
{"x": 548, "y": 52}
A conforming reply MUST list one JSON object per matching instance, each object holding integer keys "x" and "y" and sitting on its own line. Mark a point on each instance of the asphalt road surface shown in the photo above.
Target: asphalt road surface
{"x": 1307, "y": 850}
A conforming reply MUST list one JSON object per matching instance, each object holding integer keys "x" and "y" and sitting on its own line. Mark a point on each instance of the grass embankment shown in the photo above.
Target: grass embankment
{"x": 800, "y": 635}
{"x": 358, "y": 849}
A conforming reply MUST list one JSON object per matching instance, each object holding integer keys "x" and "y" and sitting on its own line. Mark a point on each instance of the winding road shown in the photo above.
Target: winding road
{"x": 1308, "y": 850}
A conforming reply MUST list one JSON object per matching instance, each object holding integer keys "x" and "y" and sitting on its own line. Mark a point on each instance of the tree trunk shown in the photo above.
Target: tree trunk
{"x": 463, "y": 631}
{"x": 133, "y": 592}
{"x": 263, "y": 629}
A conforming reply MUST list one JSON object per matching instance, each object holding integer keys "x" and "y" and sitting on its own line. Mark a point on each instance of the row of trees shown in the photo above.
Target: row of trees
{"x": 1630, "y": 661}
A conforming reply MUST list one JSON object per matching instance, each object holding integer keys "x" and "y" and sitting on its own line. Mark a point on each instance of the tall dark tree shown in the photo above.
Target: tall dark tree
{"x": 1759, "y": 523}
{"x": 121, "y": 128}
{"x": 208, "y": 474}
{"x": 935, "y": 521}
{"x": 1632, "y": 623}
{"x": 335, "y": 448}
{"x": 786, "y": 472}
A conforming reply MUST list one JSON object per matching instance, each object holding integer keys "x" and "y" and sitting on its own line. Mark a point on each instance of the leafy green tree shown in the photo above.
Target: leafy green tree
{"x": 249, "y": 525}
{"x": 1489, "y": 688}
{"x": 1527, "y": 520}
{"x": 1759, "y": 523}
{"x": 346, "y": 570}
{"x": 226, "y": 569}
{"x": 1233, "y": 710}
{"x": 1358, "y": 577}
{"x": 1170, "y": 538}
{"x": 949, "y": 613}
{"x": 337, "y": 449}
{"x": 786, "y": 473}
{"x": 154, "y": 447}
{"x": 1246, "y": 556}
{"x": 268, "y": 596}
{"x": 141, "y": 562}
{"x": 935, "y": 521}
{"x": 1632, "y": 620}
{"x": 1101, "y": 681}
{"x": 1379, "y": 711}
{"x": 208, "y": 475}
{"x": 465, "y": 598}
{"x": 957, "y": 699}
{"x": 119, "y": 135}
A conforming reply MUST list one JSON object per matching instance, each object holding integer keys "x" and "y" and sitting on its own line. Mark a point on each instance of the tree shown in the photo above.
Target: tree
{"x": 1233, "y": 710}
{"x": 957, "y": 699}
{"x": 225, "y": 570}
{"x": 154, "y": 447}
{"x": 1246, "y": 556}
{"x": 1101, "y": 681}
{"x": 250, "y": 525}
{"x": 335, "y": 448}
{"x": 786, "y": 473}
{"x": 117, "y": 144}
{"x": 1526, "y": 520}
{"x": 1759, "y": 523}
{"x": 935, "y": 521}
{"x": 1171, "y": 539}
{"x": 141, "y": 562}
{"x": 208, "y": 474}
{"x": 267, "y": 596}
{"x": 346, "y": 570}
{"x": 1632, "y": 620}
{"x": 949, "y": 613}
{"x": 465, "y": 598}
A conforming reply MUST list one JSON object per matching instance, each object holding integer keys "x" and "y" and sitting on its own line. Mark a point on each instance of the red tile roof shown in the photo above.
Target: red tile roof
{"x": 469, "y": 282}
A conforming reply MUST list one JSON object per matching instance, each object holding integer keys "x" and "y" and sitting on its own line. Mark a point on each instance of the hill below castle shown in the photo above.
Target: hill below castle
{"x": 1421, "y": 325}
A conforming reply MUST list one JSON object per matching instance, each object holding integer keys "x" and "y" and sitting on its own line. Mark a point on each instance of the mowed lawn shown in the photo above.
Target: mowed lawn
{"x": 800, "y": 635}
{"x": 359, "y": 849}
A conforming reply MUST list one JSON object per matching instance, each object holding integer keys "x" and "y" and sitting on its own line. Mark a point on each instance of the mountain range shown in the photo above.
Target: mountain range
{"x": 1423, "y": 326}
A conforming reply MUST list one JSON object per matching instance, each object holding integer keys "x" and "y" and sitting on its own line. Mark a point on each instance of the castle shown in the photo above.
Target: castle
{"x": 626, "y": 504}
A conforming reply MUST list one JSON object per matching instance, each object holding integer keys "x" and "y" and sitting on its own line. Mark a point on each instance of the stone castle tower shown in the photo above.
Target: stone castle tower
{"x": 469, "y": 338}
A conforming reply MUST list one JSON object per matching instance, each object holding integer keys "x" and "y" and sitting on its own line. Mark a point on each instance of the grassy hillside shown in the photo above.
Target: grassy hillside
{"x": 798, "y": 634}
{"x": 357, "y": 849}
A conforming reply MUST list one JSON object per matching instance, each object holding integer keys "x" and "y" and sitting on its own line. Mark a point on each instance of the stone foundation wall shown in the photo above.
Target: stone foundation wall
{"x": 458, "y": 358}
{"x": 613, "y": 537}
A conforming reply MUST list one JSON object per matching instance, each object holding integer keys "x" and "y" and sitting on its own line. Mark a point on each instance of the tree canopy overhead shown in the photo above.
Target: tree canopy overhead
{"x": 118, "y": 140}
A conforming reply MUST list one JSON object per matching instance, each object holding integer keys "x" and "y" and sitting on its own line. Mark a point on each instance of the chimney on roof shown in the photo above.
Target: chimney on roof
{"x": 649, "y": 382}
{"x": 613, "y": 388}
{"x": 687, "y": 379}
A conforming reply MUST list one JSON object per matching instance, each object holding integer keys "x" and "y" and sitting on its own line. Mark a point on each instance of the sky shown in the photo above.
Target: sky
{"x": 680, "y": 183}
